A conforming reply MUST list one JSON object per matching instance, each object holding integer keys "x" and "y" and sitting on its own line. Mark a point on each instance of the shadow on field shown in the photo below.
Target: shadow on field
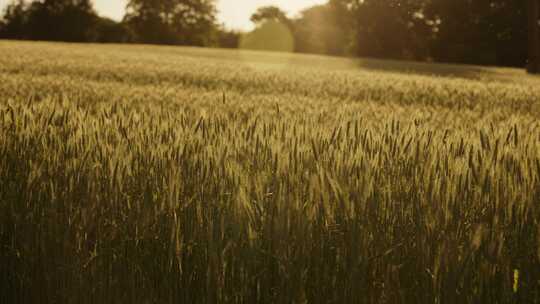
{"x": 425, "y": 68}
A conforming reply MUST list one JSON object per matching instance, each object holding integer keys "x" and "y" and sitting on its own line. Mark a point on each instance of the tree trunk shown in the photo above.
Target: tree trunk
{"x": 534, "y": 37}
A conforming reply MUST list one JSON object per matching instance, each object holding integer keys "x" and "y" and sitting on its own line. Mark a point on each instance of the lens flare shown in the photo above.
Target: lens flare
{"x": 272, "y": 37}
{"x": 269, "y": 36}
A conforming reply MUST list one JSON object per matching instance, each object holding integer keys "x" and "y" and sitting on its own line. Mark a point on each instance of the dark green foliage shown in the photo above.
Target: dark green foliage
{"x": 186, "y": 22}
{"x": 457, "y": 31}
{"x": 270, "y": 13}
{"x": 167, "y": 22}
{"x": 388, "y": 29}
{"x": 533, "y": 63}
{"x": 70, "y": 19}
{"x": 480, "y": 32}
{"x": 228, "y": 38}
{"x": 107, "y": 30}
{"x": 323, "y": 29}
{"x": 59, "y": 20}
{"x": 486, "y": 32}
{"x": 13, "y": 24}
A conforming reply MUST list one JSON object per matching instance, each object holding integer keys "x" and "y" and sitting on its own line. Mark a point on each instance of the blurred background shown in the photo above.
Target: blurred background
{"x": 484, "y": 32}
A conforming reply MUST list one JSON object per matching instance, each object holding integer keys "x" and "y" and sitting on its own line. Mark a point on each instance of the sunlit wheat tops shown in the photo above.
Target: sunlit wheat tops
{"x": 178, "y": 175}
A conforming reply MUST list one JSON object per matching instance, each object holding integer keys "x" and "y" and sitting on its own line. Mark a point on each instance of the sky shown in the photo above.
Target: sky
{"x": 234, "y": 14}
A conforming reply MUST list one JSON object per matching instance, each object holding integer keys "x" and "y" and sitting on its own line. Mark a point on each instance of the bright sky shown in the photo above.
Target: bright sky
{"x": 233, "y": 13}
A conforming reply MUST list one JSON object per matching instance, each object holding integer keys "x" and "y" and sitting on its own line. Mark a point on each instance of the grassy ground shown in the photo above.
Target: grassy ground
{"x": 141, "y": 174}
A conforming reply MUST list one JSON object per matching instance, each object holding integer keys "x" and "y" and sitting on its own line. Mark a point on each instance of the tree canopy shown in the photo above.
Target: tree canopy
{"x": 321, "y": 29}
{"x": 270, "y": 13}
{"x": 490, "y": 32}
{"x": 63, "y": 20}
{"x": 189, "y": 22}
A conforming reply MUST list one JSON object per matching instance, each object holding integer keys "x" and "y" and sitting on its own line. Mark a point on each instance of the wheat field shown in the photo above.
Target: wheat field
{"x": 143, "y": 174}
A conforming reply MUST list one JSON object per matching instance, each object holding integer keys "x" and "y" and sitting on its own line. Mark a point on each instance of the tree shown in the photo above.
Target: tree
{"x": 61, "y": 20}
{"x": 479, "y": 32}
{"x": 389, "y": 28}
{"x": 489, "y": 32}
{"x": 534, "y": 37}
{"x": 270, "y": 13}
{"x": 320, "y": 29}
{"x": 106, "y": 30}
{"x": 187, "y": 22}
{"x": 273, "y": 31}
{"x": 13, "y": 24}
{"x": 227, "y": 38}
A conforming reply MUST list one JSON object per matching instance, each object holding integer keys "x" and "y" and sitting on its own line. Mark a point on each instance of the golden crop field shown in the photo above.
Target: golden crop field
{"x": 143, "y": 174}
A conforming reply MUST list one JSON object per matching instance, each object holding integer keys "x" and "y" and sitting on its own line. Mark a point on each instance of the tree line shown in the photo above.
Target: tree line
{"x": 490, "y": 32}
{"x": 174, "y": 22}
